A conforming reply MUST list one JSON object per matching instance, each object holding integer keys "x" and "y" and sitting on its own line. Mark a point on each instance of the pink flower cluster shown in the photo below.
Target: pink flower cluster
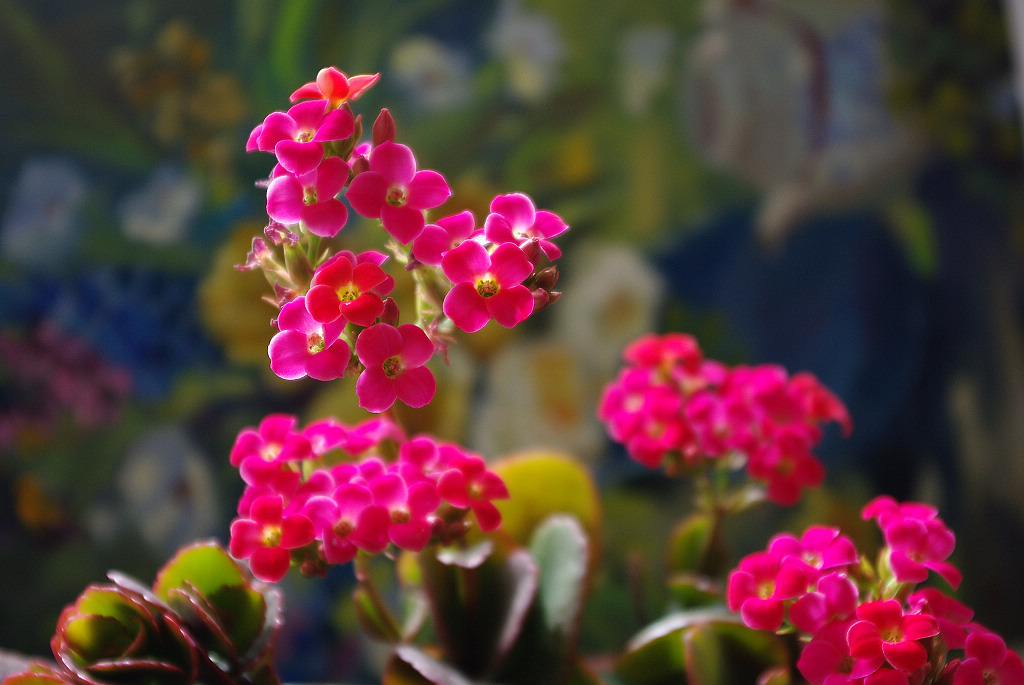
{"x": 321, "y": 494}
{"x": 670, "y": 406}
{"x": 872, "y": 625}
{"x": 336, "y": 313}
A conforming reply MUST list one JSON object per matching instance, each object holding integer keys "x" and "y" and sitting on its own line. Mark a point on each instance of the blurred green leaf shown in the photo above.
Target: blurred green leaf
{"x": 688, "y": 543}
{"x": 371, "y": 619}
{"x": 692, "y": 590}
{"x": 203, "y": 565}
{"x": 427, "y": 667}
{"x": 560, "y": 549}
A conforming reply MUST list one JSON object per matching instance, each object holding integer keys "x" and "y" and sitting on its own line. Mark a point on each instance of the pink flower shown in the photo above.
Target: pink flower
{"x": 443, "y": 235}
{"x": 821, "y": 547}
{"x": 787, "y": 466}
{"x": 408, "y": 506}
{"x": 348, "y": 521}
{"x": 760, "y": 587}
{"x": 918, "y": 539}
{"x": 826, "y": 659}
{"x": 884, "y": 629}
{"x": 258, "y": 452}
{"x": 305, "y": 347}
{"x": 834, "y": 597}
{"x": 395, "y": 192}
{"x": 515, "y": 219}
{"x": 987, "y": 661}
{"x": 394, "y": 361}
{"x": 266, "y": 536}
{"x": 469, "y": 484}
{"x": 952, "y": 617}
{"x": 296, "y": 136}
{"x": 486, "y": 286}
{"x": 310, "y": 198}
{"x": 341, "y": 290}
{"x": 335, "y": 87}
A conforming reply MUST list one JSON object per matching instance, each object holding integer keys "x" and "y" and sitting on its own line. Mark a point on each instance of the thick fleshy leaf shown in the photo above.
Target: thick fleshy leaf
{"x": 429, "y": 670}
{"x": 561, "y": 549}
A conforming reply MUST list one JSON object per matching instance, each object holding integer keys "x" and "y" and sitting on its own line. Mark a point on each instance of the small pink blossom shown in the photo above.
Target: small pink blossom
{"x": 296, "y": 137}
{"x": 335, "y": 87}
{"x": 834, "y": 597}
{"x": 441, "y": 236}
{"x": 470, "y": 484}
{"x": 311, "y": 198}
{"x": 266, "y": 537}
{"x": 394, "y": 360}
{"x": 826, "y": 659}
{"x": 393, "y": 191}
{"x": 952, "y": 617}
{"x": 341, "y": 290}
{"x": 408, "y": 506}
{"x": 987, "y": 661}
{"x": 515, "y": 219}
{"x": 347, "y": 521}
{"x": 259, "y": 451}
{"x": 306, "y": 347}
{"x": 787, "y": 466}
{"x": 884, "y": 629}
{"x": 760, "y": 587}
{"x": 486, "y": 286}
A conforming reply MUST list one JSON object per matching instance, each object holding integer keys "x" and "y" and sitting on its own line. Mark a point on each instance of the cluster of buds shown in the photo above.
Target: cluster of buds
{"x": 321, "y": 494}
{"x": 868, "y": 622}
{"x": 337, "y": 315}
{"x": 673, "y": 408}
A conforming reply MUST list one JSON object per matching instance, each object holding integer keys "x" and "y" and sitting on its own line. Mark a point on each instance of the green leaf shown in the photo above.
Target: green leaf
{"x": 656, "y": 654}
{"x": 688, "y": 542}
{"x": 432, "y": 670}
{"x": 544, "y": 483}
{"x": 704, "y": 656}
{"x": 560, "y": 549}
{"x": 692, "y": 591}
{"x": 203, "y": 565}
{"x": 97, "y": 637}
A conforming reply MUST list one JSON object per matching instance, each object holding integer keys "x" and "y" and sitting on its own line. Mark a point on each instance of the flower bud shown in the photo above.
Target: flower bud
{"x": 546, "y": 278}
{"x": 532, "y": 251}
{"x": 390, "y": 313}
{"x": 383, "y": 128}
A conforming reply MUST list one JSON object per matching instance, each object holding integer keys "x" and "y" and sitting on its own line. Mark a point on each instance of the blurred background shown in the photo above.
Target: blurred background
{"x": 832, "y": 186}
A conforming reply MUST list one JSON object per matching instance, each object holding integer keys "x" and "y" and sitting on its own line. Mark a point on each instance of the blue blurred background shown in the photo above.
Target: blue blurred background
{"x": 833, "y": 186}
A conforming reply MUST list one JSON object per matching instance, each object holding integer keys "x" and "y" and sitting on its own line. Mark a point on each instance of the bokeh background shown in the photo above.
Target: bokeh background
{"x": 833, "y": 186}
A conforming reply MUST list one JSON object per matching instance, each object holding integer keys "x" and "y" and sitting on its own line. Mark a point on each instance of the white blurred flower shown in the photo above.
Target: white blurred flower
{"x": 41, "y": 223}
{"x": 161, "y": 212}
{"x": 538, "y": 394}
{"x": 531, "y": 47}
{"x": 167, "y": 490}
{"x": 611, "y": 296}
{"x": 435, "y": 76}
{"x": 644, "y": 51}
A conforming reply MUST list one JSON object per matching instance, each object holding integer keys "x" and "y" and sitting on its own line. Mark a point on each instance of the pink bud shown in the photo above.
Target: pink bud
{"x": 383, "y": 128}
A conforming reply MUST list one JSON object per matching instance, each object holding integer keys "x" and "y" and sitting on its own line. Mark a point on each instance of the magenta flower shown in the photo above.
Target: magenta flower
{"x": 297, "y": 136}
{"x": 267, "y": 535}
{"x": 987, "y": 661}
{"x": 919, "y": 545}
{"x": 883, "y": 629}
{"x": 311, "y": 198}
{"x": 469, "y": 484}
{"x": 306, "y": 347}
{"x": 258, "y": 451}
{"x": 437, "y": 238}
{"x": 348, "y": 521}
{"x": 486, "y": 286}
{"x": 515, "y": 219}
{"x": 409, "y": 505}
{"x": 343, "y": 291}
{"x": 394, "y": 360}
{"x": 821, "y": 547}
{"x": 826, "y": 659}
{"x": 787, "y": 466}
{"x": 762, "y": 584}
{"x": 335, "y": 87}
{"x": 395, "y": 192}
{"x": 834, "y": 597}
{"x": 952, "y": 617}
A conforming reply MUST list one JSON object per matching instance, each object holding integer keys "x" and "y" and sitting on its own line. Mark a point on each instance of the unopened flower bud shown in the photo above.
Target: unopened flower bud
{"x": 383, "y": 128}
{"x": 532, "y": 251}
{"x": 541, "y": 299}
{"x": 359, "y": 165}
{"x": 546, "y": 278}
{"x": 390, "y": 313}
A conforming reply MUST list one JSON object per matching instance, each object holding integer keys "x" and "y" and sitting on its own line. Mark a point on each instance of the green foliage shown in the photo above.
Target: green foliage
{"x": 203, "y": 621}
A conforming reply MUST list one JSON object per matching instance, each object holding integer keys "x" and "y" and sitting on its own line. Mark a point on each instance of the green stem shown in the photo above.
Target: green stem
{"x": 383, "y": 617}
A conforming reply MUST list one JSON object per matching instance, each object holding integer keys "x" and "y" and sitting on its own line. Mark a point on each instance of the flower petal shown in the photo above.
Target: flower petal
{"x": 511, "y": 305}
{"x": 415, "y": 386}
{"x": 366, "y": 194}
{"x": 394, "y": 161}
{"x": 427, "y": 189}
{"x": 466, "y": 309}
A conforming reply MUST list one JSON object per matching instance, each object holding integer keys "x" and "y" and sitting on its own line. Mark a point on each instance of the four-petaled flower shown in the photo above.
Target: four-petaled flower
{"x": 342, "y": 290}
{"x": 296, "y": 137}
{"x": 486, "y": 285}
{"x": 394, "y": 360}
{"x": 515, "y": 219}
{"x": 306, "y": 347}
{"x": 393, "y": 191}
{"x": 266, "y": 536}
{"x": 311, "y": 198}
{"x": 884, "y": 630}
{"x": 468, "y": 483}
{"x": 334, "y": 86}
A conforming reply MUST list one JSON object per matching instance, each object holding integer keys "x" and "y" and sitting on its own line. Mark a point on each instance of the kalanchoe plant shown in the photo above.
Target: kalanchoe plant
{"x": 204, "y": 620}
